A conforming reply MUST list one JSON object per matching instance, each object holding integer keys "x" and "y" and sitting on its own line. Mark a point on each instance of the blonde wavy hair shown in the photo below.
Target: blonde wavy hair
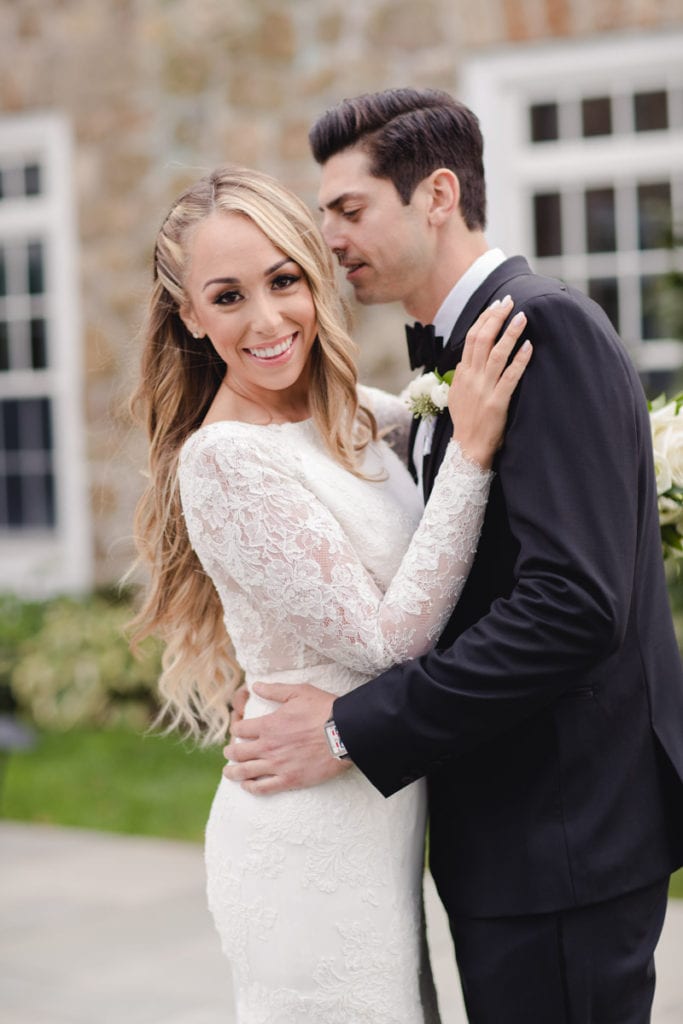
{"x": 179, "y": 378}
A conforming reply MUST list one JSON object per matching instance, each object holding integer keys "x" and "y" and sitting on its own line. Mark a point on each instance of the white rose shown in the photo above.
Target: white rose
{"x": 439, "y": 394}
{"x": 674, "y": 449}
{"x": 419, "y": 388}
{"x": 662, "y": 472}
{"x": 669, "y": 511}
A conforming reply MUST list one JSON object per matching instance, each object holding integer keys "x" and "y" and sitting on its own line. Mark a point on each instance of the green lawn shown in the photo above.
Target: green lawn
{"x": 119, "y": 781}
{"x": 116, "y": 781}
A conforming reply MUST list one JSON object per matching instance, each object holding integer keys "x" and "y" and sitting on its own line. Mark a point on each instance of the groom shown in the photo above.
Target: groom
{"x": 549, "y": 719}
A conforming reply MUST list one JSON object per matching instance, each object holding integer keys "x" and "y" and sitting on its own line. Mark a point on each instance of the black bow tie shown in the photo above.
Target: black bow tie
{"x": 424, "y": 346}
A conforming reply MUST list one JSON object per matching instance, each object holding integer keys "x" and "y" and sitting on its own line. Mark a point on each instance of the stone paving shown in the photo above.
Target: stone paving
{"x": 105, "y": 929}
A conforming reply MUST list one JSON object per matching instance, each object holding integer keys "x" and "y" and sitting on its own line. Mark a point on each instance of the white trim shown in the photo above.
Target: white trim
{"x": 500, "y": 86}
{"x": 59, "y": 560}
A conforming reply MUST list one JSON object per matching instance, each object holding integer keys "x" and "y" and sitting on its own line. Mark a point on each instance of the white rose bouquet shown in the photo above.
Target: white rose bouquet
{"x": 427, "y": 396}
{"x": 667, "y": 441}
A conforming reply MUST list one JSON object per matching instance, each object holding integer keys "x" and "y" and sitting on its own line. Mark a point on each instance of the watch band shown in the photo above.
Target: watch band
{"x": 334, "y": 740}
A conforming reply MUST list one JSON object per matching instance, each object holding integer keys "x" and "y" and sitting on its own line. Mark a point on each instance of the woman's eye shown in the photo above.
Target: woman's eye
{"x": 350, "y": 214}
{"x": 227, "y": 298}
{"x": 284, "y": 281}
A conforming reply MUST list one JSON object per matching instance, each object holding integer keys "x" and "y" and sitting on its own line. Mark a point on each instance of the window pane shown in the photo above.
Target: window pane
{"x": 543, "y": 122}
{"x": 27, "y": 487}
{"x": 38, "y": 344}
{"x": 653, "y": 307}
{"x": 605, "y": 292}
{"x": 10, "y": 425}
{"x": 35, "y": 269}
{"x": 600, "y": 220}
{"x": 548, "y": 224}
{"x": 596, "y": 115}
{"x": 655, "y": 229}
{"x": 37, "y": 500}
{"x": 34, "y": 424}
{"x": 4, "y": 345}
{"x": 14, "y": 504}
{"x": 651, "y": 111}
{"x": 32, "y": 184}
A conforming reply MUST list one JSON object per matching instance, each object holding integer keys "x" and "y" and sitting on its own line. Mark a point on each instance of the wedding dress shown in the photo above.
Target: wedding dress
{"x": 325, "y": 578}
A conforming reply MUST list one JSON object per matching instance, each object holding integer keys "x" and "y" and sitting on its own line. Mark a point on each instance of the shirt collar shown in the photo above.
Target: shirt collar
{"x": 461, "y": 292}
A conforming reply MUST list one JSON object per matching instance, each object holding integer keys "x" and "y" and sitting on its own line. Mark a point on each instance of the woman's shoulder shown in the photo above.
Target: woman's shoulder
{"x": 390, "y": 411}
{"x": 233, "y": 441}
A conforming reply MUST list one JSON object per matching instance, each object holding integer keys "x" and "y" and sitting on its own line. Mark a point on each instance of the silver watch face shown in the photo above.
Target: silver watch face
{"x": 334, "y": 740}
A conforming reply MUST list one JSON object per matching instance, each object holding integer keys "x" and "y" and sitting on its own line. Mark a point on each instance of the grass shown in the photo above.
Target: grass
{"x": 115, "y": 781}
{"x": 119, "y": 781}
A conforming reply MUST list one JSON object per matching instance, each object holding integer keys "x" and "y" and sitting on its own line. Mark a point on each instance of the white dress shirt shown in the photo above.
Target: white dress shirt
{"x": 444, "y": 322}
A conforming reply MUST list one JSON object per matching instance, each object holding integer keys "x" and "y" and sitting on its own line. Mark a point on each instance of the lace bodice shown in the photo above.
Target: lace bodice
{"x": 315, "y": 565}
{"x": 326, "y": 578}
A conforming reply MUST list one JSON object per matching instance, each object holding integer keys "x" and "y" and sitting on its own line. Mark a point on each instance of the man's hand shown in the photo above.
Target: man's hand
{"x": 286, "y": 749}
{"x": 237, "y": 705}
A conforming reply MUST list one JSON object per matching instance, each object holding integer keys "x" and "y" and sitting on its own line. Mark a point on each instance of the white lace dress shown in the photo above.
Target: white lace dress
{"x": 325, "y": 578}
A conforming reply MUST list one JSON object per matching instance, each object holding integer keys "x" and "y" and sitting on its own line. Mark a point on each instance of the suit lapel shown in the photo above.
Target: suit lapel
{"x": 486, "y": 293}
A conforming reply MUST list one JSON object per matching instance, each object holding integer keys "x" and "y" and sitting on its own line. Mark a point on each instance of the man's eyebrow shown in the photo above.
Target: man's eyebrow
{"x": 334, "y": 204}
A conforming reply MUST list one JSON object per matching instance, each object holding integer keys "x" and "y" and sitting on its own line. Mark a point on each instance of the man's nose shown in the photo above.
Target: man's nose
{"x": 334, "y": 236}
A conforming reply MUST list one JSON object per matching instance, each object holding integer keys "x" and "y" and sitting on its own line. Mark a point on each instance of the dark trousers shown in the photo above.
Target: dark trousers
{"x": 586, "y": 965}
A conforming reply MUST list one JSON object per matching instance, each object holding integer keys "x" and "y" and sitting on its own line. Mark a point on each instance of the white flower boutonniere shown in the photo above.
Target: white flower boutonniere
{"x": 427, "y": 396}
{"x": 666, "y": 422}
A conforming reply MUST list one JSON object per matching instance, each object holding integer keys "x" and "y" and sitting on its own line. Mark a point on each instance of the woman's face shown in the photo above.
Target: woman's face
{"x": 253, "y": 303}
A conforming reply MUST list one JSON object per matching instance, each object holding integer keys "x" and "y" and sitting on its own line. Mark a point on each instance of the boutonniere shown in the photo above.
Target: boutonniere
{"x": 666, "y": 422}
{"x": 427, "y": 396}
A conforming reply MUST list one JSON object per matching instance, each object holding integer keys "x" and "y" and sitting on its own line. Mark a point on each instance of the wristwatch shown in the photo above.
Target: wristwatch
{"x": 334, "y": 740}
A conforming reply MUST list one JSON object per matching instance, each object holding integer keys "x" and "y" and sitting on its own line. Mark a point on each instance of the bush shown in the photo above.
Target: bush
{"x": 73, "y": 667}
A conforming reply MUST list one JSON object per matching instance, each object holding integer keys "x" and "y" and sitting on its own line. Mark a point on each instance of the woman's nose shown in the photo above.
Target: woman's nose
{"x": 265, "y": 315}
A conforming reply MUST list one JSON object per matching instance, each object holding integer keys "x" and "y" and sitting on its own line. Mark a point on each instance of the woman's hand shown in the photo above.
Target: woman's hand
{"x": 482, "y": 387}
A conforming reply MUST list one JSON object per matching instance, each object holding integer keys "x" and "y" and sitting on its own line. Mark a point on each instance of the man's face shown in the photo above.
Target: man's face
{"x": 384, "y": 246}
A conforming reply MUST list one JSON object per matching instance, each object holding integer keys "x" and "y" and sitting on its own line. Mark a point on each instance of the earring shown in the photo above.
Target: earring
{"x": 195, "y": 334}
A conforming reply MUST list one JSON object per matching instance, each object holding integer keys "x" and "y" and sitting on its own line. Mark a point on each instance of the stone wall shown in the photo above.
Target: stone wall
{"x": 159, "y": 90}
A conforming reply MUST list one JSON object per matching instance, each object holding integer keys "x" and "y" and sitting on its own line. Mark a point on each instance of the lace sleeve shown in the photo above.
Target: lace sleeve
{"x": 392, "y": 415}
{"x": 256, "y": 525}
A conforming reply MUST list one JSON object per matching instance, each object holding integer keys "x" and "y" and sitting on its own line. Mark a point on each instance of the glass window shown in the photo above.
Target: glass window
{"x": 32, "y": 183}
{"x": 655, "y": 228}
{"x": 596, "y": 116}
{"x": 601, "y": 232}
{"x": 653, "y": 307}
{"x": 651, "y": 111}
{"x": 26, "y": 468}
{"x": 605, "y": 291}
{"x": 548, "y": 224}
{"x": 543, "y": 122}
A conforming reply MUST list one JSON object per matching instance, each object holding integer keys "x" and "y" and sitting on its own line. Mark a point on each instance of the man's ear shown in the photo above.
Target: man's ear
{"x": 444, "y": 195}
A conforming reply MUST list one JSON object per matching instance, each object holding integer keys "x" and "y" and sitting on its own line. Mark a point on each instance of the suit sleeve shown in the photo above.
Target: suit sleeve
{"x": 568, "y": 473}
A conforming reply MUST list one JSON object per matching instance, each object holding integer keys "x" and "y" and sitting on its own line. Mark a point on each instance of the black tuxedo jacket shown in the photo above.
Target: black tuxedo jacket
{"x": 549, "y": 719}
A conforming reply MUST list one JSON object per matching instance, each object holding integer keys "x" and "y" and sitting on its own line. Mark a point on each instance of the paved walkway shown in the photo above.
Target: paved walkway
{"x": 105, "y": 929}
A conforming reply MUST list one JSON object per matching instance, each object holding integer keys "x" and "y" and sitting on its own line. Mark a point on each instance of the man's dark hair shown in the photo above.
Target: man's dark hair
{"x": 407, "y": 134}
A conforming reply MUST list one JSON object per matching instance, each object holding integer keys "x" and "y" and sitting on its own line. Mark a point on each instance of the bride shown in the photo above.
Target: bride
{"x": 284, "y": 539}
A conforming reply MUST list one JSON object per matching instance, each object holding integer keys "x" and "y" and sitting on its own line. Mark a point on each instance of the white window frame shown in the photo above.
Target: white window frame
{"x": 501, "y": 85}
{"x": 40, "y": 562}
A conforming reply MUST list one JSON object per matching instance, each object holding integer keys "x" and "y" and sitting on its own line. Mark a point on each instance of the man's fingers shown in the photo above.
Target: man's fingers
{"x": 245, "y": 771}
{"x": 247, "y": 729}
{"x": 280, "y": 692}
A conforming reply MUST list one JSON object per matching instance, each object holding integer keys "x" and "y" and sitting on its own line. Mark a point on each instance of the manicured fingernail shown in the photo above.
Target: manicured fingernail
{"x": 526, "y": 346}
{"x": 494, "y": 305}
{"x": 507, "y": 300}
{"x": 517, "y": 319}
